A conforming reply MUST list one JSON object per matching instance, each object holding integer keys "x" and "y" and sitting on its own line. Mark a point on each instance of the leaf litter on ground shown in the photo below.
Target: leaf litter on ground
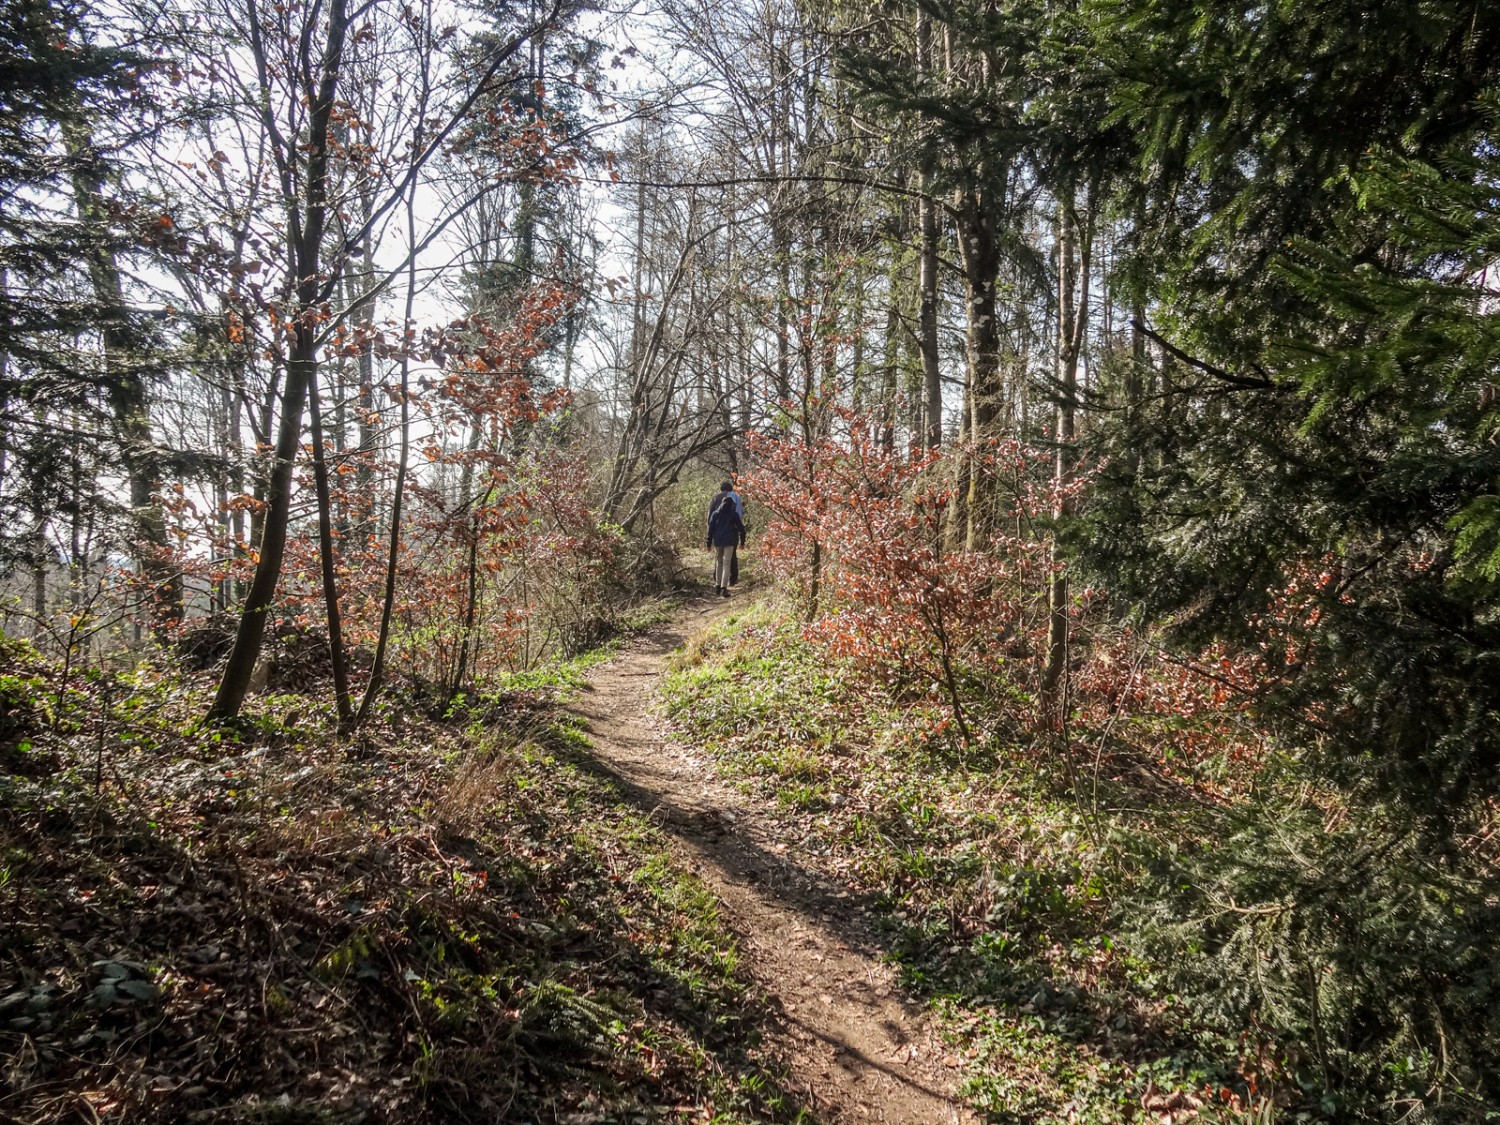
{"x": 443, "y": 921}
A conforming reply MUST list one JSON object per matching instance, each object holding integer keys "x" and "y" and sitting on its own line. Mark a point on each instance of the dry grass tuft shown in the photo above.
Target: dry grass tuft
{"x": 478, "y": 783}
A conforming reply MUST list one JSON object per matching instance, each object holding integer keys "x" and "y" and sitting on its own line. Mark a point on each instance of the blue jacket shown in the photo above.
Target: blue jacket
{"x": 725, "y": 528}
{"x": 739, "y": 504}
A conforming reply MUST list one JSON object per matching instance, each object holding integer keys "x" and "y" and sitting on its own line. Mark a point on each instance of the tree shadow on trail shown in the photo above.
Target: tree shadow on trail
{"x": 715, "y": 840}
{"x": 813, "y": 908}
{"x": 1018, "y": 943}
{"x": 717, "y": 836}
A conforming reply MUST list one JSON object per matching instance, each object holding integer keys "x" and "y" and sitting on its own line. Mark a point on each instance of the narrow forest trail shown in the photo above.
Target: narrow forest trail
{"x": 858, "y": 1050}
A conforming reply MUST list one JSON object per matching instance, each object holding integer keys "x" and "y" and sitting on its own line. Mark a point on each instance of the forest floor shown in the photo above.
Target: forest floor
{"x": 688, "y": 877}
{"x": 857, "y": 1049}
{"x": 536, "y": 906}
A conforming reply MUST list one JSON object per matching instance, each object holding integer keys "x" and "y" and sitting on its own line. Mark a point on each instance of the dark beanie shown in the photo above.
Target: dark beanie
{"x": 727, "y": 486}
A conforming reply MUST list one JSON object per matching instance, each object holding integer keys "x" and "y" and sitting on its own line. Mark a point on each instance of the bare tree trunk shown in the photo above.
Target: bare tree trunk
{"x": 39, "y": 585}
{"x": 956, "y": 519}
{"x": 812, "y": 410}
{"x": 779, "y": 148}
{"x": 393, "y": 549}
{"x": 471, "y": 604}
{"x": 306, "y": 238}
{"x": 4, "y": 398}
{"x": 859, "y": 376}
{"x": 76, "y": 569}
{"x": 403, "y": 456}
{"x": 927, "y": 275}
{"x": 263, "y": 426}
{"x": 915, "y": 413}
{"x": 815, "y": 580}
{"x": 890, "y": 361}
{"x": 1133, "y": 383}
{"x": 721, "y": 397}
{"x": 927, "y": 324}
{"x": 783, "y": 319}
{"x": 1072, "y": 324}
{"x": 364, "y": 326}
{"x": 328, "y": 560}
{"x": 235, "y": 450}
{"x": 471, "y": 612}
{"x": 222, "y": 594}
{"x": 37, "y": 572}
{"x": 40, "y": 557}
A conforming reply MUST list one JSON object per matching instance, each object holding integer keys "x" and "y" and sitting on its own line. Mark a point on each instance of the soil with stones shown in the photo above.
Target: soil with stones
{"x": 860, "y": 1050}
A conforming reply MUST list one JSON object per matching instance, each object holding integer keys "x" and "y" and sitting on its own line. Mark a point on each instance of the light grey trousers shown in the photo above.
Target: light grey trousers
{"x": 722, "y": 555}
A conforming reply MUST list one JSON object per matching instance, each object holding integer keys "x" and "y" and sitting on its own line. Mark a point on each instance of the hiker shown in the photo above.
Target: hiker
{"x": 727, "y": 487}
{"x": 726, "y": 531}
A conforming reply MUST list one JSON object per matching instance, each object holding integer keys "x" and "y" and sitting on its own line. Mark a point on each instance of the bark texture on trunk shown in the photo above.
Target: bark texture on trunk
{"x": 974, "y": 219}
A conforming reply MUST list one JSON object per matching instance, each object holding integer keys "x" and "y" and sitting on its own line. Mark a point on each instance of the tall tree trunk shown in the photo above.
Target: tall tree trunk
{"x": 125, "y": 387}
{"x": 222, "y": 594}
{"x": 307, "y": 218}
{"x": 41, "y": 558}
{"x": 393, "y": 541}
{"x": 927, "y": 275}
{"x": 235, "y": 452}
{"x": 76, "y": 561}
{"x": 859, "y": 376}
{"x": 471, "y": 614}
{"x": 783, "y": 253}
{"x": 813, "y": 411}
{"x": 476, "y": 506}
{"x": 927, "y": 323}
{"x": 1020, "y": 390}
{"x": 890, "y": 363}
{"x": 927, "y": 320}
{"x": 363, "y": 314}
{"x": 39, "y": 586}
{"x": 779, "y": 149}
{"x": 815, "y": 579}
{"x": 956, "y": 519}
{"x": 263, "y": 426}
{"x": 1133, "y": 384}
{"x": 524, "y": 226}
{"x": 5, "y": 414}
{"x": 1072, "y": 324}
{"x": 4, "y": 396}
{"x": 974, "y": 219}
{"x": 328, "y": 562}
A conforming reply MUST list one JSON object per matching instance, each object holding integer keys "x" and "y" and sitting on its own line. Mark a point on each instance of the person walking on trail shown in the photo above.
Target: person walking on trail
{"x": 726, "y": 531}
{"x": 727, "y": 488}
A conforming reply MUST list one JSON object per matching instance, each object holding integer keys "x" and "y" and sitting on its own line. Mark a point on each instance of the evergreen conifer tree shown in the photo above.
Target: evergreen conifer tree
{"x": 76, "y": 353}
{"x": 1316, "y": 481}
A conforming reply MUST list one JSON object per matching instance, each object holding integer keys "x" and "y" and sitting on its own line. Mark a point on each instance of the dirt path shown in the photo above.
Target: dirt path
{"x": 861, "y": 1052}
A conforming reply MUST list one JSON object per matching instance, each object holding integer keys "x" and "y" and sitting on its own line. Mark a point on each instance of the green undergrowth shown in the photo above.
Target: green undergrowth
{"x": 999, "y": 895}
{"x": 555, "y": 677}
{"x": 444, "y": 921}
